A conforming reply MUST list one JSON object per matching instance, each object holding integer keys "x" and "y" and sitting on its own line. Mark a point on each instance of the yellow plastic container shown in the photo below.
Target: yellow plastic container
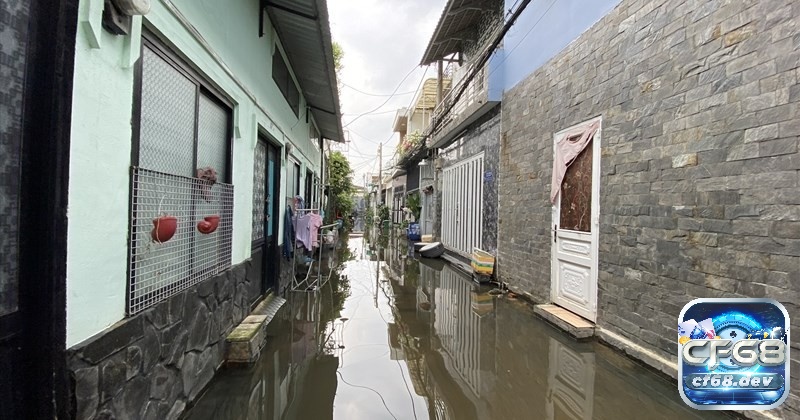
{"x": 482, "y": 262}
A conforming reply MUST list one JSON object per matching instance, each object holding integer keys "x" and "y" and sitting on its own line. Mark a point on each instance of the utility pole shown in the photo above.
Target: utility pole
{"x": 380, "y": 173}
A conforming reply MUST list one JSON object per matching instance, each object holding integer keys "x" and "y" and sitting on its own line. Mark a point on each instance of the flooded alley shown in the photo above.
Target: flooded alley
{"x": 393, "y": 336}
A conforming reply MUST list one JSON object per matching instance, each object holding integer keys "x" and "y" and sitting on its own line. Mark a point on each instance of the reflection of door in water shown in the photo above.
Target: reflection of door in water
{"x": 575, "y": 230}
{"x": 266, "y": 178}
{"x": 570, "y": 383}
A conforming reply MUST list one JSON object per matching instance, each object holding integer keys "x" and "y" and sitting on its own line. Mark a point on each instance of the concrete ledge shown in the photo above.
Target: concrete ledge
{"x": 648, "y": 357}
{"x": 457, "y": 263}
{"x": 573, "y": 324}
{"x": 244, "y": 343}
{"x": 665, "y": 366}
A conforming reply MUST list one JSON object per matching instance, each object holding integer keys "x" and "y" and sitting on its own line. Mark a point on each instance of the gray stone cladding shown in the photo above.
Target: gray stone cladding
{"x": 153, "y": 364}
{"x": 699, "y": 185}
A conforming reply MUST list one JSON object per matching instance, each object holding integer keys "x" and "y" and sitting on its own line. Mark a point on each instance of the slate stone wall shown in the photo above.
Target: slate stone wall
{"x": 699, "y": 193}
{"x": 481, "y": 136}
{"x": 152, "y": 365}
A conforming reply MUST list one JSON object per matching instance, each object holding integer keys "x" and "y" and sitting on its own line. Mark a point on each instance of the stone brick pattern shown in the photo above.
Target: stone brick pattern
{"x": 481, "y": 136}
{"x": 13, "y": 45}
{"x": 699, "y": 193}
{"x": 152, "y": 365}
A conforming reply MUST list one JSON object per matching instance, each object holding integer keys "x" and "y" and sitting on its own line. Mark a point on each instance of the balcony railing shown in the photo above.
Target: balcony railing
{"x": 456, "y": 112}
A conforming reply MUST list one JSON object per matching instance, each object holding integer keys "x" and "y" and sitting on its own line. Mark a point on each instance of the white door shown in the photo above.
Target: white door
{"x": 575, "y": 229}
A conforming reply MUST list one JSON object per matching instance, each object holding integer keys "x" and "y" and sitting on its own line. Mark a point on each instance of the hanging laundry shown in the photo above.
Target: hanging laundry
{"x": 288, "y": 233}
{"x": 307, "y": 226}
{"x": 314, "y": 225}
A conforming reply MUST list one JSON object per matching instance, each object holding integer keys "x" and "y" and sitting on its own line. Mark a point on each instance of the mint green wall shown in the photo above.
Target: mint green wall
{"x": 100, "y": 153}
{"x": 101, "y": 136}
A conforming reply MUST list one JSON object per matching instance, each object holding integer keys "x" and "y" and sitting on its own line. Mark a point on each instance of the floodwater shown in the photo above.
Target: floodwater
{"x": 393, "y": 337}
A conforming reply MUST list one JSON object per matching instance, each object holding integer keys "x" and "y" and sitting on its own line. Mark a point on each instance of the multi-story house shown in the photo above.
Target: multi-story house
{"x": 414, "y": 163}
{"x": 647, "y": 155}
{"x": 181, "y": 133}
{"x": 464, "y": 127}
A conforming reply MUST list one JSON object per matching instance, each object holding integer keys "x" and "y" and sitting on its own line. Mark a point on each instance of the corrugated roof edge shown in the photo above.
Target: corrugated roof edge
{"x": 327, "y": 41}
{"x": 426, "y": 57}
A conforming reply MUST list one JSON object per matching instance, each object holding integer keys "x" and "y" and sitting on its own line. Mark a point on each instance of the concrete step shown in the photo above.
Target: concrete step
{"x": 573, "y": 324}
{"x": 244, "y": 343}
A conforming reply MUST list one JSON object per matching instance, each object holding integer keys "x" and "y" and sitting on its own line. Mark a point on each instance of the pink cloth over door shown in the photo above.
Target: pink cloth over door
{"x": 566, "y": 152}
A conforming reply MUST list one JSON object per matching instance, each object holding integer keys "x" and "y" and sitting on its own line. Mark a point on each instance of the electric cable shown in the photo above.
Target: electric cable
{"x": 376, "y": 94}
{"x": 387, "y": 99}
{"x": 371, "y": 389}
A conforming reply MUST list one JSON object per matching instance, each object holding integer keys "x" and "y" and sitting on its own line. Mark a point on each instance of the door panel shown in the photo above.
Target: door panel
{"x": 575, "y": 230}
{"x": 264, "y": 237}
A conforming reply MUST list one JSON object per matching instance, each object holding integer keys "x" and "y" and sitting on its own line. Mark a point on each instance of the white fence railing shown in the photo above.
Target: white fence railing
{"x": 462, "y": 205}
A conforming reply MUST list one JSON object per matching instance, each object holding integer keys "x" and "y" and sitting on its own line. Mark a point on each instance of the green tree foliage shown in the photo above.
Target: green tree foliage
{"x": 413, "y": 203}
{"x": 340, "y": 198}
{"x": 338, "y": 55}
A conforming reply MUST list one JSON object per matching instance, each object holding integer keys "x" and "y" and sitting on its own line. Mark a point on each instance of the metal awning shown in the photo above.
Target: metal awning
{"x": 458, "y": 22}
{"x": 304, "y": 30}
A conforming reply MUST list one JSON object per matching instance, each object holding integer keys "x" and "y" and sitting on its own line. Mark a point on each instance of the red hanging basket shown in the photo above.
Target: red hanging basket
{"x": 164, "y": 228}
{"x": 208, "y": 225}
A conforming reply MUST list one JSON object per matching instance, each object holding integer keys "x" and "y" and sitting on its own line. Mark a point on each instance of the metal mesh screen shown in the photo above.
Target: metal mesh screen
{"x": 166, "y": 142}
{"x": 259, "y": 187}
{"x": 212, "y": 133}
{"x": 159, "y": 270}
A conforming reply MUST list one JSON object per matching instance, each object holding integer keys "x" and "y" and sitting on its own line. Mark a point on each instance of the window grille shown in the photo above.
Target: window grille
{"x": 160, "y": 270}
{"x": 182, "y": 128}
{"x": 166, "y": 141}
{"x": 259, "y": 190}
{"x": 212, "y": 131}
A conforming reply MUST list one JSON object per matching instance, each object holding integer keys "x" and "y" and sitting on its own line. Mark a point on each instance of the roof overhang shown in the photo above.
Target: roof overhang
{"x": 458, "y": 23}
{"x": 400, "y": 120}
{"x": 304, "y": 31}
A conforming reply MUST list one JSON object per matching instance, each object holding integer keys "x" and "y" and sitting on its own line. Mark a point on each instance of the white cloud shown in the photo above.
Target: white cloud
{"x": 382, "y": 41}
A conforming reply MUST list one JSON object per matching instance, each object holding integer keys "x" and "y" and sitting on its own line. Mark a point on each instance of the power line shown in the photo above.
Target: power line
{"x": 387, "y": 99}
{"x": 376, "y": 94}
{"x": 419, "y": 87}
{"x": 508, "y": 54}
{"x": 376, "y": 113}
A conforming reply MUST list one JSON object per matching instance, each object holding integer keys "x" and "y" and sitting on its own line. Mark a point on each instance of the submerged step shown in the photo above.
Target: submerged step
{"x": 244, "y": 343}
{"x": 573, "y": 324}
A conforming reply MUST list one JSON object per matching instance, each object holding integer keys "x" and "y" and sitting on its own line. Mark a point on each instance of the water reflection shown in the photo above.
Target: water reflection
{"x": 396, "y": 337}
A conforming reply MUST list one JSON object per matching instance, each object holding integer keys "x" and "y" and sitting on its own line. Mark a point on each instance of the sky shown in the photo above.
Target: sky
{"x": 383, "y": 42}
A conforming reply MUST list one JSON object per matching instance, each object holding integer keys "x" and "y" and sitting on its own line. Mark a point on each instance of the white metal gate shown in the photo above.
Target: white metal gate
{"x": 462, "y": 205}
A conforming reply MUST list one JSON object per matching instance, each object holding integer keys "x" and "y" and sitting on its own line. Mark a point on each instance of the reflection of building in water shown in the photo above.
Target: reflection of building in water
{"x": 466, "y": 337}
